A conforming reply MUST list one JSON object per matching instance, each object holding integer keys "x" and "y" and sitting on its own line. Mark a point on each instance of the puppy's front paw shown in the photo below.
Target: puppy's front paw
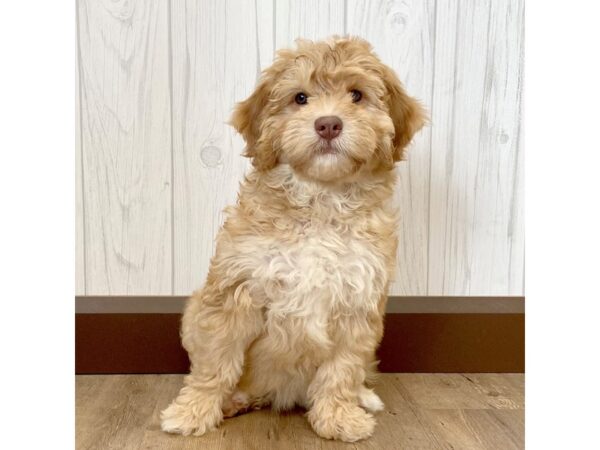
{"x": 346, "y": 422}
{"x": 191, "y": 416}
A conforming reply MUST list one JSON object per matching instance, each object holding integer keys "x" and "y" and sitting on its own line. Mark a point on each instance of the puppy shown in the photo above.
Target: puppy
{"x": 292, "y": 309}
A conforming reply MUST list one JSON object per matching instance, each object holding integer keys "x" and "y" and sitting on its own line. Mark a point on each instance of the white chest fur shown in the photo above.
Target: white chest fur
{"x": 307, "y": 283}
{"x": 323, "y": 271}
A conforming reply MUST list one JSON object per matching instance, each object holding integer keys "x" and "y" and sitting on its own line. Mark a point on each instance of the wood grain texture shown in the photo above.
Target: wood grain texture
{"x": 402, "y": 34}
{"x": 122, "y": 411}
{"x": 217, "y": 58}
{"x": 153, "y": 180}
{"x": 308, "y": 19}
{"x": 475, "y": 228}
{"x": 79, "y": 209}
{"x": 126, "y": 146}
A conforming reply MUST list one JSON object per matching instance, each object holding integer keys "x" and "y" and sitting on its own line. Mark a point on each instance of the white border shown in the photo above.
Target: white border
{"x": 37, "y": 134}
{"x": 562, "y": 150}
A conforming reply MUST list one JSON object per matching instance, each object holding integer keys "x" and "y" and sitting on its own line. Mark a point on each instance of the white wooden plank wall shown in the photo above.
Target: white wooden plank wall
{"x": 211, "y": 71}
{"x": 156, "y": 162}
{"x": 475, "y": 227}
{"x": 79, "y": 212}
{"x": 309, "y": 19}
{"x": 126, "y": 146}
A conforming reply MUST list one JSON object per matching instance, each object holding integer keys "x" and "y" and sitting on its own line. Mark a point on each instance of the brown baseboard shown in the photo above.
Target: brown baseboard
{"x": 413, "y": 342}
{"x": 129, "y": 343}
{"x": 448, "y": 343}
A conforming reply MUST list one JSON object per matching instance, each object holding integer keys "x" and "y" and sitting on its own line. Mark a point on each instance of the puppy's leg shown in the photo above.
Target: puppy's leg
{"x": 337, "y": 391}
{"x": 216, "y": 333}
{"x": 335, "y": 412}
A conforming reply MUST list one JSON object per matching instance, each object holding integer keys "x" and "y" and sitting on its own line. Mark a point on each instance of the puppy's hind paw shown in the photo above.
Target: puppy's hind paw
{"x": 369, "y": 400}
{"x": 236, "y": 404}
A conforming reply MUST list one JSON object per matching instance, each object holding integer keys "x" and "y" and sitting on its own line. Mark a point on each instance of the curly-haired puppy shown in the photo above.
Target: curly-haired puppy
{"x": 292, "y": 309}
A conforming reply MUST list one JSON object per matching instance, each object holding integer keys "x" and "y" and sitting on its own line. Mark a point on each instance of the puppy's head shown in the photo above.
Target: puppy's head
{"x": 328, "y": 109}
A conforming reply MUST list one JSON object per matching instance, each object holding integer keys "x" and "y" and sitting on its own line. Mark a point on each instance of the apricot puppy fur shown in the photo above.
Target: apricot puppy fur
{"x": 292, "y": 309}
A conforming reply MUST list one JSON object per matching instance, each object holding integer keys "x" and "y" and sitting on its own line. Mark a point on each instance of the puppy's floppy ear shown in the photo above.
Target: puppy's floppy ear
{"x": 247, "y": 119}
{"x": 407, "y": 113}
{"x": 246, "y": 114}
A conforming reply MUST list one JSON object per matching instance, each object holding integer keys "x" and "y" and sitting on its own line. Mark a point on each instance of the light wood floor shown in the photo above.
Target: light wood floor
{"x": 450, "y": 411}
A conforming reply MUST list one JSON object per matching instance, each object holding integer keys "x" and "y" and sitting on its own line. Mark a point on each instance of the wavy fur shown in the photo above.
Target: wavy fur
{"x": 292, "y": 309}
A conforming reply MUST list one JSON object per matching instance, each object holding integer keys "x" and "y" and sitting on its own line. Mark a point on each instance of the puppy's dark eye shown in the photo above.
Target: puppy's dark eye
{"x": 301, "y": 98}
{"x": 356, "y": 95}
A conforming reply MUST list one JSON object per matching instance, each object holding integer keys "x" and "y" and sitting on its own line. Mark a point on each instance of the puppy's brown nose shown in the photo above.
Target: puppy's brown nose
{"x": 329, "y": 127}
